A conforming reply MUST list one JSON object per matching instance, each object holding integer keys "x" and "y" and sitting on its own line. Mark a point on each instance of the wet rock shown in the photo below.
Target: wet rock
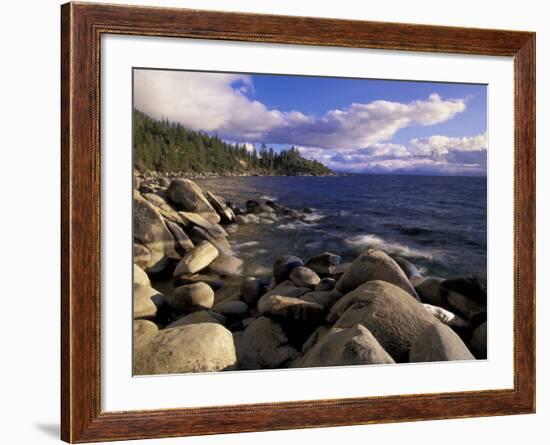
{"x": 351, "y": 346}
{"x": 197, "y": 347}
{"x": 200, "y": 257}
{"x": 438, "y": 343}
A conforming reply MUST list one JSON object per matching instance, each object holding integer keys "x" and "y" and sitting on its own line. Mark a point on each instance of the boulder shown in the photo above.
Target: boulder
{"x": 146, "y": 301}
{"x": 197, "y": 347}
{"x": 263, "y": 345}
{"x": 438, "y": 343}
{"x": 194, "y": 219}
{"x": 191, "y": 297}
{"x": 324, "y": 264}
{"x": 410, "y": 270}
{"x": 188, "y": 197}
{"x": 430, "y": 291}
{"x": 478, "y": 342}
{"x": 288, "y": 290}
{"x": 393, "y": 316}
{"x": 289, "y": 307}
{"x": 324, "y": 298}
{"x": 447, "y": 317}
{"x": 252, "y": 289}
{"x": 284, "y": 265}
{"x": 183, "y": 242}
{"x": 140, "y": 277}
{"x": 232, "y": 308}
{"x": 198, "y": 234}
{"x": 226, "y": 214}
{"x": 143, "y": 332}
{"x": 304, "y": 277}
{"x": 195, "y": 317}
{"x": 314, "y": 338}
{"x": 164, "y": 182}
{"x": 226, "y": 266}
{"x": 340, "y": 347}
{"x": 325, "y": 284}
{"x": 165, "y": 209}
{"x": 142, "y": 255}
{"x": 150, "y": 230}
{"x": 374, "y": 265}
{"x": 468, "y": 308}
{"x": 197, "y": 259}
{"x": 214, "y": 281}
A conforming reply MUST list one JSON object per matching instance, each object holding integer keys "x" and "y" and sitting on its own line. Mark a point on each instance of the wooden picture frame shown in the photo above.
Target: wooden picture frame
{"x": 82, "y": 26}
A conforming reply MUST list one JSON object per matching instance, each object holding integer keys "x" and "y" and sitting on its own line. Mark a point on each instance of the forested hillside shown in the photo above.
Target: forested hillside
{"x": 169, "y": 147}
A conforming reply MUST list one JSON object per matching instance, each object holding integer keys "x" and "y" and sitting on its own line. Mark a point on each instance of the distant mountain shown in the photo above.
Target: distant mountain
{"x": 169, "y": 147}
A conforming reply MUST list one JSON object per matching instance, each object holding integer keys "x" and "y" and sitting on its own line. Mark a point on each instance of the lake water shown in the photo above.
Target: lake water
{"x": 438, "y": 223}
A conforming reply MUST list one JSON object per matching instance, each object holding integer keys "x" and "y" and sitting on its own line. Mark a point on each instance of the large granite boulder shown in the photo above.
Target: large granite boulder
{"x": 197, "y": 259}
{"x": 226, "y": 266}
{"x": 194, "y": 318}
{"x": 374, "y": 265}
{"x": 194, "y": 219}
{"x": 264, "y": 345}
{"x": 447, "y": 317}
{"x": 350, "y": 346}
{"x": 289, "y": 307}
{"x": 393, "y": 316}
{"x": 143, "y": 332}
{"x": 146, "y": 302}
{"x": 196, "y": 347}
{"x": 165, "y": 209}
{"x": 188, "y": 197}
{"x": 183, "y": 243}
{"x": 438, "y": 343}
{"x": 226, "y": 214}
{"x": 191, "y": 297}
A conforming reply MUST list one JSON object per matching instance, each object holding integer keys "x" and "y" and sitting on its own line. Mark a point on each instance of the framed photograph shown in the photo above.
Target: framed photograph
{"x": 274, "y": 222}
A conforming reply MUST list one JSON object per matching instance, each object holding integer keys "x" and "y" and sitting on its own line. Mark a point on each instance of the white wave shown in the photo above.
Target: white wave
{"x": 361, "y": 241}
{"x": 268, "y": 198}
{"x": 247, "y": 244}
{"x": 313, "y": 217}
{"x": 293, "y": 225}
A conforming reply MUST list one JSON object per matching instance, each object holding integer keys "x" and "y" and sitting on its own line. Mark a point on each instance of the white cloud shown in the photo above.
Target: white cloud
{"x": 441, "y": 145}
{"x": 215, "y": 102}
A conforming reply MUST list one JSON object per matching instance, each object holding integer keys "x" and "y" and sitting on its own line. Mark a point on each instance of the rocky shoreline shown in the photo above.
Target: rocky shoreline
{"x": 155, "y": 175}
{"x": 194, "y": 311}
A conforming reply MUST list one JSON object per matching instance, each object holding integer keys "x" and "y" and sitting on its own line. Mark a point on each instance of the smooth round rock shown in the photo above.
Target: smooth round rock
{"x": 438, "y": 343}
{"x": 304, "y": 277}
{"x": 191, "y": 297}
{"x": 284, "y": 265}
{"x": 196, "y": 259}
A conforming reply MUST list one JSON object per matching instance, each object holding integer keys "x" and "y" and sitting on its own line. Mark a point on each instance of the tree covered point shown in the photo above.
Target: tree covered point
{"x": 166, "y": 146}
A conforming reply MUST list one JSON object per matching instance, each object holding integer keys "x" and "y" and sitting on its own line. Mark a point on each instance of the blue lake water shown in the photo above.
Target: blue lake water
{"x": 438, "y": 223}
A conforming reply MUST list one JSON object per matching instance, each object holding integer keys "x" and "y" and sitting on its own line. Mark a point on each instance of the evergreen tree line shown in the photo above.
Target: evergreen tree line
{"x": 165, "y": 146}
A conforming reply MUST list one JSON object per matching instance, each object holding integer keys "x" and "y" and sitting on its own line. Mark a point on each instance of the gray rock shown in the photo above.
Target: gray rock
{"x": 374, "y": 265}
{"x": 284, "y": 265}
{"x": 226, "y": 214}
{"x": 142, "y": 255}
{"x": 264, "y": 345}
{"x": 233, "y": 308}
{"x": 289, "y": 307}
{"x": 188, "y": 197}
{"x": 474, "y": 287}
{"x": 183, "y": 242}
{"x": 325, "y": 284}
{"x": 165, "y": 209}
{"x": 194, "y": 219}
{"x": 324, "y": 264}
{"x": 150, "y": 230}
{"x": 251, "y": 289}
{"x": 324, "y": 298}
{"x": 438, "y": 343}
{"x": 198, "y": 234}
{"x": 479, "y": 341}
{"x": 146, "y": 301}
{"x": 197, "y": 347}
{"x": 468, "y": 308}
{"x": 410, "y": 270}
{"x": 430, "y": 291}
{"x": 393, "y": 316}
{"x": 214, "y": 281}
{"x": 304, "y": 277}
{"x": 197, "y": 259}
{"x": 351, "y": 346}
{"x": 226, "y": 266}
{"x": 140, "y": 277}
{"x": 195, "y": 317}
{"x": 191, "y": 297}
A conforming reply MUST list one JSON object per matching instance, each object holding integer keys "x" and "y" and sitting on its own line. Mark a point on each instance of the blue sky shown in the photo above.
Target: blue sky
{"x": 352, "y": 125}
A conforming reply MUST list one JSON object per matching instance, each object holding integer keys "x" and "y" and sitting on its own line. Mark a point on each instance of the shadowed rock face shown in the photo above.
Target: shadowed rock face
{"x": 392, "y": 315}
{"x": 438, "y": 343}
{"x": 374, "y": 265}
{"x": 197, "y": 347}
{"x": 196, "y": 259}
{"x": 350, "y": 346}
{"x": 187, "y": 196}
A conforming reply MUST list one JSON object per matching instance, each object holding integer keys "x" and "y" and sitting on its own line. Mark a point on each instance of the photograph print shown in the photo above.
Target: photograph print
{"x": 285, "y": 221}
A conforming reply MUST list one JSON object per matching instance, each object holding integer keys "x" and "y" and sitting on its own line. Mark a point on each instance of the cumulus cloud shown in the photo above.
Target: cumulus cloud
{"x": 220, "y": 103}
